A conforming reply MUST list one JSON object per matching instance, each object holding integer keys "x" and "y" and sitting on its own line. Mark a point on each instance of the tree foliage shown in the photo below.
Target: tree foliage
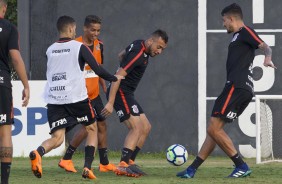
{"x": 12, "y": 11}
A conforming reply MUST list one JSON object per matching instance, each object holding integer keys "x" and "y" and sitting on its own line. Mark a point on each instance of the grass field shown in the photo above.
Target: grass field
{"x": 155, "y": 165}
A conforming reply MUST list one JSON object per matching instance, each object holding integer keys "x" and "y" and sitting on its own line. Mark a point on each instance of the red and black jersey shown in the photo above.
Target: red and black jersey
{"x": 241, "y": 53}
{"x": 8, "y": 41}
{"x": 134, "y": 62}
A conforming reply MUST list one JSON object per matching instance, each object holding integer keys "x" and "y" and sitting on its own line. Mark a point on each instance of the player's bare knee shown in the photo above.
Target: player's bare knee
{"x": 211, "y": 131}
{"x": 102, "y": 127}
{"x": 92, "y": 127}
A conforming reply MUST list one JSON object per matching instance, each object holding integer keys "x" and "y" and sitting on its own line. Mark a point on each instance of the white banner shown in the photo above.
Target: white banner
{"x": 31, "y": 127}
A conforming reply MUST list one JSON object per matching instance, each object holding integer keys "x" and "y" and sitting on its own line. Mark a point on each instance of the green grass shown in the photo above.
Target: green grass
{"x": 159, "y": 171}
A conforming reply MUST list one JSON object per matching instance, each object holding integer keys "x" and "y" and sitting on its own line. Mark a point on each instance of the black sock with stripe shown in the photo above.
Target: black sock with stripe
{"x": 41, "y": 150}
{"x": 89, "y": 156}
{"x": 197, "y": 163}
{"x": 5, "y": 172}
{"x": 69, "y": 153}
{"x": 103, "y": 154}
{"x": 135, "y": 152}
{"x": 126, "y": 154}
{"x": 237, "y": 159}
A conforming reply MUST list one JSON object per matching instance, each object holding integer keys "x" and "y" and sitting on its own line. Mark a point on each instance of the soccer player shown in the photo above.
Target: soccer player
{"x": 66, "y": 95}
{"x": 237, "y": 93}
{"x": 9, "y": 46}
{"x": 92, "y": 27}
{"x": 134, "y": 61}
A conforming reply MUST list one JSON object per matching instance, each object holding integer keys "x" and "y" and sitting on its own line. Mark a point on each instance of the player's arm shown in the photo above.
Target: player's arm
{"x": 108, "y": 109}
{"x": 268, "y": 55}
{"x": 85, "y": 56}
{"x": 252, "y": 38}
{"x": 121, "y": 55}
{"x": 18, "y": 64}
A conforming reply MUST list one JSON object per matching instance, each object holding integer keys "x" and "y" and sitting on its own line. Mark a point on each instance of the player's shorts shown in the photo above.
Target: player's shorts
{"x": 69, "y": 115}
{"x": 98, "y": 106}
{"x": 126, "y": 105}
{"x": 6, "y": 106}
{"x": 231, "y": 103}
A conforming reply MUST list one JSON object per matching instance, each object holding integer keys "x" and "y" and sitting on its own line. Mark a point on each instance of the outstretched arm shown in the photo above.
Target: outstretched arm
{"x": 268, "y": 55}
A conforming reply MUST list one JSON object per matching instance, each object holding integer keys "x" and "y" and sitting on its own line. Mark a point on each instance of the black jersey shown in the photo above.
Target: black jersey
{"x": 241, "y": 53}
{"x": 134, "y": 62}
{"x": 8, "y": 40}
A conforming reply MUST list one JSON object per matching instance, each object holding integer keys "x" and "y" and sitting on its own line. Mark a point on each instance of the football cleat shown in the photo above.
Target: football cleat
{"x": 188, "y": 173}
{"x": 107, "y": 168}
{"x": 240, "y": 172}
{"x": 123, "y": 169}
{"x": 67, "y": 165}
{"x": 87, "y": 173}
{"x": 136, "y": 170}
{"x": 35, "y": 160}
{"x": 131, "y": 162}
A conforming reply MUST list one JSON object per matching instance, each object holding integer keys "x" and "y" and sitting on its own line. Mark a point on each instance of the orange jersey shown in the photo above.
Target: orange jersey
{"x": 91, "y": 78}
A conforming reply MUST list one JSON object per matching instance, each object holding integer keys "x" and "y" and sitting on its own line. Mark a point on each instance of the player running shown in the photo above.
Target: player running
{"x": 66, "y": 95}
{"x": 92, "y": 27}
{"x": 237, "y": 93}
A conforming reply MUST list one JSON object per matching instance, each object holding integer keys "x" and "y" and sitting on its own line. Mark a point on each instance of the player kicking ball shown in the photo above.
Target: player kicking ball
{"x": 237, "y": 93}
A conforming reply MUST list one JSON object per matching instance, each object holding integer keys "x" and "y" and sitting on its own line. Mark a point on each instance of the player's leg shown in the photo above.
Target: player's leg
{"x": 6, "y": 121}
{"x": 134, "y": 132}
{"x": 104, "y": 165}
{"x": 89, "y": 150}
{"x": 85, "y": 115}
{"x": 216, "y": 131}
{"x": 57, "y": 138}
{"x": 206, "y": 149}
{"x": 59, "y": 119}
{"x": 66, "y": 162}
{"x": 128, "y": 113}
{"x": 6, "y": 151}
{"x": 146, "y": 128}
{"x": 209, "y": 143}
{"x": 234, "y": 106}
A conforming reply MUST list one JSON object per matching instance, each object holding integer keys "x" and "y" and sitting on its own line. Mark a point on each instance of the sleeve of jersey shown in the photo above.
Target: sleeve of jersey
{"x": 85, "y": 56}
{"x": 252, "y": 38}
{"x": 102, "y": 51}
{"x": 13, "y": 39}
{"x": 131, "y": 60}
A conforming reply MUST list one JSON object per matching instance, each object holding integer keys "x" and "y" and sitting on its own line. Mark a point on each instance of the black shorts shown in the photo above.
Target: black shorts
{"x": 126, "y": 105}
{"x": 6, "y": 106}
{"x": 98, "y": 106}
{"x": 69, "y": 115}
{"x": 231, "y": 103}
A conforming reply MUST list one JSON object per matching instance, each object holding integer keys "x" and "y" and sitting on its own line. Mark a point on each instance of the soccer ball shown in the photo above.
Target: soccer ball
{"x": 176, "y": 154}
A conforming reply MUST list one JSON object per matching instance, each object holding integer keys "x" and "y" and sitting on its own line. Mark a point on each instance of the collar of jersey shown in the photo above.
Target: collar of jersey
{"x": 64, "y": 40}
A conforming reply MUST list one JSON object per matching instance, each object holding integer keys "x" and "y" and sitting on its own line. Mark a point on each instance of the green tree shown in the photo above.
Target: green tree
{"x": 12, "y": 11}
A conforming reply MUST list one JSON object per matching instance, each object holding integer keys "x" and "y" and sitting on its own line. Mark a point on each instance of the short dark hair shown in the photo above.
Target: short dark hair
{"x": 233, "y": 9}
{"x": 64, "y": 21}
{"x": 94, "y": 19}
{"x": 160, "y": 33}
